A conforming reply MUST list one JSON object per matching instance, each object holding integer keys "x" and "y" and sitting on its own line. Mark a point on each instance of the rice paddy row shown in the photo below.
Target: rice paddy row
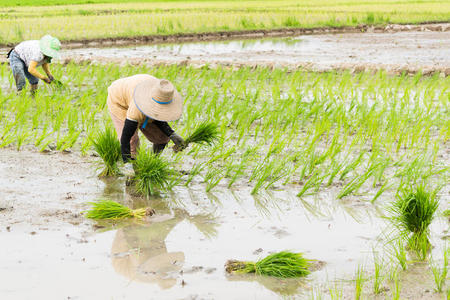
{"x": 91, "y": 21}
{"x": 364, "y": 133}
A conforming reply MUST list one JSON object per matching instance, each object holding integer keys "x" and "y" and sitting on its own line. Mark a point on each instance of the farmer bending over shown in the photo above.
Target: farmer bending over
{"x": 148, "y": 103}
{"x": 28, "y": 55}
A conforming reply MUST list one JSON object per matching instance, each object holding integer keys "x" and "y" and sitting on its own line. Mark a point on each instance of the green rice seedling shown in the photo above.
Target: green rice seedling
{"x": 107, "y": 147}
{"x": 205, "y": 133}
{"x": 396, "y": 290}
{"x": 359, "y": 282}
{"x": 398, "y": 252}
{"x": 152, "y": 173}
{"x": 412, "y": 213}
{"x": 111, "y": 210}
{"x": 440, "y": 274}
{"x": 282, "y": 264}
{"x": 378, "y": 276}
{"x": 336, "y": 293}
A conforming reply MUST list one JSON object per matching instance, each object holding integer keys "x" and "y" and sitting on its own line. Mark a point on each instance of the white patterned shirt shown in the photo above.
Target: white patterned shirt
{"x": 30, "y": 51}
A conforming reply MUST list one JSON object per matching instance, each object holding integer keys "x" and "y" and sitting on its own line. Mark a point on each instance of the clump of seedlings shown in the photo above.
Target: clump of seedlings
{"x": 111, "y": 210}
{"x": 152, "y": 173}
{"x": 283, "y": 264}
{"x": 107, "y": 146}
{"x": 413, "y": 212}
{"x": 205, "y": 133}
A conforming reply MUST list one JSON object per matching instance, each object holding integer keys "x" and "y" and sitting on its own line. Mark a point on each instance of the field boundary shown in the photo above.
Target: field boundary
{"x": 248, "y": 34}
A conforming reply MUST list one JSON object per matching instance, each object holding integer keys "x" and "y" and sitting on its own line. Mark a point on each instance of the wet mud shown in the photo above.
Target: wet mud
{"x": 393, "y": 48}
{"x": 396, "y": 52}
{"x": 49, "y": 250}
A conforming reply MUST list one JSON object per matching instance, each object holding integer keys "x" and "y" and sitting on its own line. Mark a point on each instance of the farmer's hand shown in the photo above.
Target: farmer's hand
{"x": 178, "y": 141}
{"x": 51, "y": 78}
{"x": 47, "y": 80}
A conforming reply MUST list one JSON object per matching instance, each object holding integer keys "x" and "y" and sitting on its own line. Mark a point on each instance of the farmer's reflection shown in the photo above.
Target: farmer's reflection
{"x": 139, "y": 251}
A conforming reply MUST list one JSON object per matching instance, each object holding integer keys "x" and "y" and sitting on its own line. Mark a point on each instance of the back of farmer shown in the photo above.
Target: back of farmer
{"x": 148, "y": 103}
{"x": 28, "y": 55}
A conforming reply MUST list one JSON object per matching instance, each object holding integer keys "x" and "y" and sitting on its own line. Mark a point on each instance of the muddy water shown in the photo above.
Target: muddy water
{"x": 428, "y": 51}
{"x": 49, "y": 251}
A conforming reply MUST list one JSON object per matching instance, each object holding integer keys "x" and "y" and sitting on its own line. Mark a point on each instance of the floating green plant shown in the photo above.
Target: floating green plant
{"x": 205, "y": 133}
{"x": 107, "y": 146}
{"x": 111, "y": 210}
{"x": 412, "y": 213}
{"x": 283, "y": 264}
{"x": 153, "y": 173}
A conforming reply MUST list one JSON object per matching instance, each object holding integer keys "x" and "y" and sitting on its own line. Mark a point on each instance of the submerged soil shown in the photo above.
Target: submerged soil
{"x": 50, "y": 251}
{"x": 396, "y": 52}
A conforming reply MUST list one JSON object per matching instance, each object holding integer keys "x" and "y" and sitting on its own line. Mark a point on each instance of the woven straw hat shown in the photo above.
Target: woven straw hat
{"x": 158, "y": 100}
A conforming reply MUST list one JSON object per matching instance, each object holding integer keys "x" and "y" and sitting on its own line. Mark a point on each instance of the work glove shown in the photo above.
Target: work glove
{"x": 180, "y": 144}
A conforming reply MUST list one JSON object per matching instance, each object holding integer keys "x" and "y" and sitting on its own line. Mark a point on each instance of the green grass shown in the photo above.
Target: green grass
{"x": 111, "y": 210}
{"x": 100, "y": 19}
{"x": 282, "y": 264}
{"x": 107, "y": 146}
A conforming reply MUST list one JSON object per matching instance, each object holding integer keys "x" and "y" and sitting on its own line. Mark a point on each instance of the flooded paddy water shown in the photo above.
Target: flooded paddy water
{"x": 49, "y": 250}
{"x": 428, "y": 51}
{"x": 53, "y": 252}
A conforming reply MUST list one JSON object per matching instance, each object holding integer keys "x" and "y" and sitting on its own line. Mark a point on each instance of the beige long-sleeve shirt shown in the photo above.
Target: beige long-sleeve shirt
{"x": 120, "y": 97}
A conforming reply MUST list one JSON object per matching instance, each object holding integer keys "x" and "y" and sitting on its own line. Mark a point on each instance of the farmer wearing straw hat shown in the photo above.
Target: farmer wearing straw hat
{"x": 148, "y": 103}
{"x": 28, "y": 55}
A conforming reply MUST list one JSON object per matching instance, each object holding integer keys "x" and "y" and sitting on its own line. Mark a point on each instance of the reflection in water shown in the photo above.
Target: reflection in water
{"x": 282, "y": 286}
{"x": 139, "y": 251}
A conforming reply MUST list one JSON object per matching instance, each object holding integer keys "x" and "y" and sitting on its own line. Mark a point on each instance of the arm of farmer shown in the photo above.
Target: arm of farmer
{"x": 176, "y": 139}
{"x": 33, "y": 71}
{"x": 129, "y": 128}
{"x": 46, "y": 68}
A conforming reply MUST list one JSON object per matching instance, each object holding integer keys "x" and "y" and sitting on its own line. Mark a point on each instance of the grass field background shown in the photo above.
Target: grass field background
{"x": 93, "y": 19}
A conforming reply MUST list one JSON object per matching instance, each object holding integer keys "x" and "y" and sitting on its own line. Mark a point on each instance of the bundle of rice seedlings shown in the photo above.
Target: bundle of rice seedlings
{"x": 111, "y": 210}
{"x": 283, "y": 264}
{"x": 152, "y": 173}
{"x": 107, "y": 146}
{"x": 412, "y": 213}
{"x": 205, "y": 133}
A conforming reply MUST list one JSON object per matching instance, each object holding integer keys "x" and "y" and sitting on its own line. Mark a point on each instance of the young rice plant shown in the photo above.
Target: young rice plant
{"x": 111, "y": 210}
{"x": 283, "y": 264}
{"x": 107, "y": 146}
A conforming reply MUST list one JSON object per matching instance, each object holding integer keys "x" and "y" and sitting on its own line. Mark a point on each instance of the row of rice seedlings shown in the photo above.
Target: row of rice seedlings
{"x": 297, "y": 113}
{"x": 282, "y": 264}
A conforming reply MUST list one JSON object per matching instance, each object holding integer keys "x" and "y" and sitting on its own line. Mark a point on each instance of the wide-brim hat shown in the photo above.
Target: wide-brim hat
{"x": 158, "y": 100}
{"x": 50, "y": 46}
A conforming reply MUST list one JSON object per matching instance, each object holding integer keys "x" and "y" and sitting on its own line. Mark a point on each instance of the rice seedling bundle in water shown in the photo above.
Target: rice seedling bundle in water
{"x": 283, "y": 264}
{"x": 153, "y": 173}
{"x": 111, "y": 210}
{"x": 205, "y": 133}
{"x": 413, "y": 212}
{"x": 107, "y": 146}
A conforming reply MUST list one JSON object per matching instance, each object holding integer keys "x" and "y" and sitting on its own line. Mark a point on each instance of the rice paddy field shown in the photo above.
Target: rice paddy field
{"x": 307, "y": 162}
{"x": 317, "y": 167}
{"x": 87, "y": 20}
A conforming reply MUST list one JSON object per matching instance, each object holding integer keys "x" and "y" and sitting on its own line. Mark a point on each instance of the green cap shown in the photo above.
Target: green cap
{"x": 50, "y": 46}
